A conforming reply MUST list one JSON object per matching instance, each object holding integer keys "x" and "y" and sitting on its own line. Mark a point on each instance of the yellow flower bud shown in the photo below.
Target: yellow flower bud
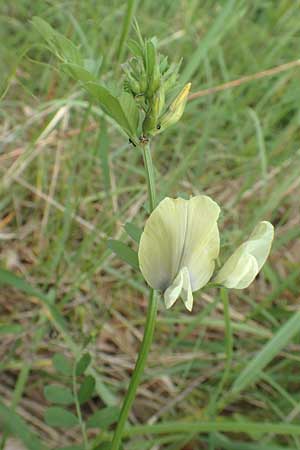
{"x": 176, "y": 108}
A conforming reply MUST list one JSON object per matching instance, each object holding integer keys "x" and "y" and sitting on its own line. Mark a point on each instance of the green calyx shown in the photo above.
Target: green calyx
{"x": 152, "y": 81}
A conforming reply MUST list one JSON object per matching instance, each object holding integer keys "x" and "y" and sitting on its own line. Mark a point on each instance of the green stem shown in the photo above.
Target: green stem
{"x": 149, "y": 175}
{"x": 228, "y": 339}
{"x": 138, "y": 370}
{"x": 214, "y": 406}
{"x": 150, "y": 320}
{"x": 78, "y": 409}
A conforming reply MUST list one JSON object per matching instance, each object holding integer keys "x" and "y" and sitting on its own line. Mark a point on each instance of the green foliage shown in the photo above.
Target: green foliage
{"x": 113, "y": 107}
{"x": 62, "y": 47}
{"x": 86, "y": 389}
{"x": 58, "y": 394}
{"x": 254, "y": 368}
{"x": 58, "y": 417}
{"x": 103, "y": 418}
{"x": 124, "y": 252}
{"x": 62, "y": 364}
{"x": 83, "y": 364}
{"x": 133, "y": 231}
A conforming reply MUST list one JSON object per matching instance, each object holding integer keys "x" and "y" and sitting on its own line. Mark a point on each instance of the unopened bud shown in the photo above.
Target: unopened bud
{"x": 151, "y": 119}
{"x": 176, "y": 109}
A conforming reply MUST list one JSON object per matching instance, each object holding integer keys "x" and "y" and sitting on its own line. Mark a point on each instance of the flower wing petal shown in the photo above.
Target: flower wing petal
{"x": 202, "y": 242}
{"x": 173, "y": 292}
{"x": 162, "y": 243}
{"x": 244, "y": 264}
{"x": 186, "y": 293}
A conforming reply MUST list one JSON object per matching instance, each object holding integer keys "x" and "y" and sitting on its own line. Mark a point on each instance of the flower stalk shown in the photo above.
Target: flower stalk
{"x": 150, "y": 319}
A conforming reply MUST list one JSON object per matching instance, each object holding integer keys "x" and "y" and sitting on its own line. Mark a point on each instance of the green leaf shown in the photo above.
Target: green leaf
{"x": 104, "y": 446}
{"x": 104, "y": 418}
{"x": 130, "y": 109}
{"x": 59, "y": 417}
{"x": 12, "y": 423}
{"x": 254, "y": 368}
{"x": 58, "y": 43}
{"x": 62, "y": 364}
{"x": 83, "y": 364}
{"x": 86, "y": 389}
{"x": 77, "y": 72}
{"x": 150, "y": 58}
{"x": 135, "y": 48}
{"x": 112, "y": 106}
{"x": 58, "y": 394}
{"x": 133, "y": 231}
{"x": 124, "y": 252}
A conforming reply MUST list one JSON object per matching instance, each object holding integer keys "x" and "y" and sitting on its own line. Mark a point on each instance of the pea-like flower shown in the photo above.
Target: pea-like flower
{"x": 180, "y": 244}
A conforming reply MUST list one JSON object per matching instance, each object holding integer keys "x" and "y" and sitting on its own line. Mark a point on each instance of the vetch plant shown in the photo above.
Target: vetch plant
{"x": 179, "y": 245}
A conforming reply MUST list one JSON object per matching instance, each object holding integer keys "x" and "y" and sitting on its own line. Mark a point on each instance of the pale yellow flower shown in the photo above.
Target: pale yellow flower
{"x": 180, "y": 244}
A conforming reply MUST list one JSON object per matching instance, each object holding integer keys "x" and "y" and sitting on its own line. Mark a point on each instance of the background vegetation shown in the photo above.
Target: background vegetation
{"x": 69, "y": 181}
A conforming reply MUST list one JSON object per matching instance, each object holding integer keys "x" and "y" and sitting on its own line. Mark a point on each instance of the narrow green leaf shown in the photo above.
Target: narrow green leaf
{"x": 62, "y": 364}
{"x": 12, "y": 423}
{"x": 133, "y": 231}
{"x": 86, "y": 389}
{"x": 103, "y": 418}
{"x": 130, "y": 109}
{"x": 135, "y": 48}
{"x": 60, "y": 418}
{"x": 124, "y": 252}
{"x": 58, "y": 394}
{"x": 252, "y": 371}
{"x": 58, "y": 43}
{"x": 111, "y": 105}
{"x": 83, "y": 364}
{"x": 77, "y": 72}
{"x": 150, "y": 58}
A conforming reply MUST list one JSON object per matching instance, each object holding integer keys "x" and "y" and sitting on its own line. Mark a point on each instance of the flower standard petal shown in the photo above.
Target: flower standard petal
{"x": 202, "y": 243}
{"x": 161, "y": 243}
{"x": 244, "y": 264}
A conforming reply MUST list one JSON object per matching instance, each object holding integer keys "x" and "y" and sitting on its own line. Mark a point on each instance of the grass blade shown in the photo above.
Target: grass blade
{"x": 131, "y": 8}
{"x": 252, "y": 371}
{"x": 222, "y": 24}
